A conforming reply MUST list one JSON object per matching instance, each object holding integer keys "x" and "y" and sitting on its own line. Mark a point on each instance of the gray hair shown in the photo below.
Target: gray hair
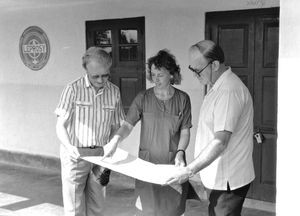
{"x": 98, "y": 54}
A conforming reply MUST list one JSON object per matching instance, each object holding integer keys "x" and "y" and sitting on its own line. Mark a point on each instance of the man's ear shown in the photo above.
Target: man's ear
{"x": 215, "y": 65}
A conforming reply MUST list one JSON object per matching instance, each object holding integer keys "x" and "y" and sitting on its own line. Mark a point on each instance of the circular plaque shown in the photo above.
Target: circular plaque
{"x": 34, "y": 48}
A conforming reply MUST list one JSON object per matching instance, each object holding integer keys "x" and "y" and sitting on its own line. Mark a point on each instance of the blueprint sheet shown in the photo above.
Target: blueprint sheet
{"x": 127, "y": 164}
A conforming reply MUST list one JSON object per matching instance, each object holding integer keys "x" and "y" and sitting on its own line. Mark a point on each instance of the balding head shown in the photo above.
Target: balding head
{"x": 210, "y": 50}
{"x": 96, "y": 54}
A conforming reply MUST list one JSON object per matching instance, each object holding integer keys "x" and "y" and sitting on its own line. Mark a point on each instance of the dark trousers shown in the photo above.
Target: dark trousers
{"x": 227, "y": 202}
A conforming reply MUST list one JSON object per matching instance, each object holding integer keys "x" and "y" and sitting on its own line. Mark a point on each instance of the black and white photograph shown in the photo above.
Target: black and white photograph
{"x": 149, "y": 107}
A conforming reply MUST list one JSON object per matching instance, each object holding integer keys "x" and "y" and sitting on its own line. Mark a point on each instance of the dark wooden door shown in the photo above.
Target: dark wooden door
{"x": 124, "y": 39}
{"x": 265, "y": 104}
{"x": 250, "y": 42}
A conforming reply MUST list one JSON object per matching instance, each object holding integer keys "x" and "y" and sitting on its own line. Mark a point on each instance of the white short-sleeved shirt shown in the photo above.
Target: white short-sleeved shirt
{"x": 227, "y": 106}
{"x": 90, "y": 114}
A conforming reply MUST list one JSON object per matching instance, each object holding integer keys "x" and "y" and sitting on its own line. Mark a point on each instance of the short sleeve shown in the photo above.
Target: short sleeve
{"x": 227, "y": 111}
{"x": 119, "y": 115}
{"x": 186, "y": 114}
{"x": 136, "y": 108}
{"x": 66, "y": 103}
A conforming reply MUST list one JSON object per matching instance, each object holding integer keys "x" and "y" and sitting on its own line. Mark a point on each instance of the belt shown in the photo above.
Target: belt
{"x": 91, "y": 147}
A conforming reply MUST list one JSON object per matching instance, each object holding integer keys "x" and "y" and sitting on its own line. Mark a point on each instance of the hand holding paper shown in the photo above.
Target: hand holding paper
{"x": 111, "y": 147}
{"x": 180, "y": 176}
{"x": 132, "y": 166}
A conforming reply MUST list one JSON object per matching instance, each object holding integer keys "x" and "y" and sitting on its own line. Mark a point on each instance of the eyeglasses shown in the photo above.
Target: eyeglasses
{"x": 197, "y": 71}
{"x": 103, "y": 76}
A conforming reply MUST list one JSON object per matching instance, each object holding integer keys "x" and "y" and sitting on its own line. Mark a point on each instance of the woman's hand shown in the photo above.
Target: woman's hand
{"x": 111, "y": 147}
{"x": 180, "y": 160}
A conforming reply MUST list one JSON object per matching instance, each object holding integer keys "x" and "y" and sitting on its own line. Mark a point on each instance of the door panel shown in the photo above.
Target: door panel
{"x": 124, "y": 39}
{"x": 237, "y": 56}
{"x": 236, "y": 40}
{"x": 250, "y": 42}
{"x": 265, "y": 104}
{"x": 268, "y": 103}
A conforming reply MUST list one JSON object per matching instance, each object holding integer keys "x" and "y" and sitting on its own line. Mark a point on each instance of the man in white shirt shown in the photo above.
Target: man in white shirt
{"x": 224, "y": 142}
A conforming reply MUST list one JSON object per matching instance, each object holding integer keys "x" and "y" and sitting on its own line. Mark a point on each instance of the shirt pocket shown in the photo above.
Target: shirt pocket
{"x": 108, "y": 113}
{"x": 83, "y": 103}
{"x": 82, "y": 108}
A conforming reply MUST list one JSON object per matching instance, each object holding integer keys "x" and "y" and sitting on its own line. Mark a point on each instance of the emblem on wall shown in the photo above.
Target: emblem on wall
{"x": 34, "y": 48}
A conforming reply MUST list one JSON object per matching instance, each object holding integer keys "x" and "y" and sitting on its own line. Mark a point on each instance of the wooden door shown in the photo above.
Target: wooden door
{"x": 124, "y": 39}
{"x": 265, "y": 105}
{"x": 249, "y": 39}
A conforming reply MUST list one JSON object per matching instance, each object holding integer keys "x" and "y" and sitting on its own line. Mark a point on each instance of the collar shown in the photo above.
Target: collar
{"x": 87, "y": 82}
{"x": 221, "y": 79}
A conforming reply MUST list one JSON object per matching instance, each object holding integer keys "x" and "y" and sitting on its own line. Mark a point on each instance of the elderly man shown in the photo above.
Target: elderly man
{"x": 224, "y": 141}
{"x": 89, "y": 111}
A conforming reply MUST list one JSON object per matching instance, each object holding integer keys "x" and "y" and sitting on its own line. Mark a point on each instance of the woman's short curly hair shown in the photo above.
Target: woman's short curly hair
{"x": 164, "y": 59}
{"x": 98, "y": 54}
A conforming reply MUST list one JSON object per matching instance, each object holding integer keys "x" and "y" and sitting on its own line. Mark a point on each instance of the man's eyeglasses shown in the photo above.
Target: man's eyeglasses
{"x": 103, "y": 76}
{"x": 197, "y": 71}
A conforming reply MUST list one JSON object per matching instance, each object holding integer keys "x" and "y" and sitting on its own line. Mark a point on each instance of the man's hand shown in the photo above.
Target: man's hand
{"x": 180, "y": 159}
{"x": 63, "y": 136}
{"x": 111, "y": 147}
{"x": 182, "y": 175}
{"x": 73, "y": 151}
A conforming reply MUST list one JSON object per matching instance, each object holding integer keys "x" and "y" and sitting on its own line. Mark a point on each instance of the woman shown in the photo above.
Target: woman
{"x": 165, "y": 114}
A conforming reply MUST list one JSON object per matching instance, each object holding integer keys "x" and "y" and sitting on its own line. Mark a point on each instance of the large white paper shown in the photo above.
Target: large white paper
{"x": 127, "y": 164}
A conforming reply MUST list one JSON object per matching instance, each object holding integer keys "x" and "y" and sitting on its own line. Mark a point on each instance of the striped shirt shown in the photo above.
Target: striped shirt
{"x": 90, "y": 115}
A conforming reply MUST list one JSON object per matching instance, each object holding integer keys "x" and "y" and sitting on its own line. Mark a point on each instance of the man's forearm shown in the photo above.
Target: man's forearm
{"x": 207, "y": 156}
{"x": 62, "y": 135}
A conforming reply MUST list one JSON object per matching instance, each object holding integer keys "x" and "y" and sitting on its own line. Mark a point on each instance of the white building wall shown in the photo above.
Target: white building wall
{"x": 28, "y": 98}
{"x": 288, "y": 144}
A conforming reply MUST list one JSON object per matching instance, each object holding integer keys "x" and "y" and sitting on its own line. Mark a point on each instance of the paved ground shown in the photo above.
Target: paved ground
{"x": 32, "y": 192}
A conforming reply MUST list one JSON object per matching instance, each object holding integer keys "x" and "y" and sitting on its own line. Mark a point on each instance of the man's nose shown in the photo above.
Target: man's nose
{"x": 100, "y": 79}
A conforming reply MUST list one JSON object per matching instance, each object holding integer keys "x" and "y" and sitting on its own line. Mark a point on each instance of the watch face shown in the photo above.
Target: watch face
{"x": 34, "y": 48}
